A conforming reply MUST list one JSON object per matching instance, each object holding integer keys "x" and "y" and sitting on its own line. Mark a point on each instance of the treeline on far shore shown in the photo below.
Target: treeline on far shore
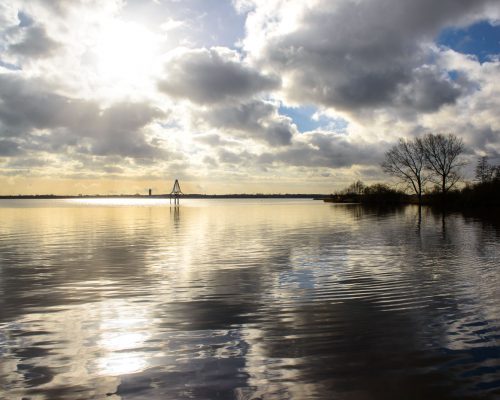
{"x": 430, "y": 168}
{"x": 478, "y": 194}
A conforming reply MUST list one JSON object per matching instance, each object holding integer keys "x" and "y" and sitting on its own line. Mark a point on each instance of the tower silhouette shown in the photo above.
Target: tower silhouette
{"x": 176, "y": 192}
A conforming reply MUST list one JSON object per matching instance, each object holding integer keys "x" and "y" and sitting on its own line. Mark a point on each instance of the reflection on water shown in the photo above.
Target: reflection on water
{"x": 246, "y": 299}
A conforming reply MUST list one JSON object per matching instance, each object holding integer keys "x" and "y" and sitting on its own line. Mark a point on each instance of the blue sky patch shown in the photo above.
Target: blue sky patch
{"x": 453, "y": 74}
{"x": 303, "y": 118}
{"x": 24, "y": 19}
{"x": 10, "y": 66}
{"x": 481, "y": 40}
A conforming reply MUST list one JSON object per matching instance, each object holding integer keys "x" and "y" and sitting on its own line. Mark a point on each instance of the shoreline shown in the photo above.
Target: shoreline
{"x": 167, "y": 196}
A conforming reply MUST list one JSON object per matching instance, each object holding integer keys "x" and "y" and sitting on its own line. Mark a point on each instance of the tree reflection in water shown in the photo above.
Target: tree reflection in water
{"x": 249, "y": 299}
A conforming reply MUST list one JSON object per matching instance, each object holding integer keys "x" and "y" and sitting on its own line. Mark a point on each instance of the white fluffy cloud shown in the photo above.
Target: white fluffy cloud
{"x": 355, "y": 55}
{"x": 128, "y": 88}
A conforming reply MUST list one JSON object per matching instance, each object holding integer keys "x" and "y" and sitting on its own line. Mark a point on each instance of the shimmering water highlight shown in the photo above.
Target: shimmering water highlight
{"x": 248, "y": 299}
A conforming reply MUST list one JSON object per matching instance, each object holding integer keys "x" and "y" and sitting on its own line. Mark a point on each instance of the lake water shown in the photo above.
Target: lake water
{"x": 246, "y": 299}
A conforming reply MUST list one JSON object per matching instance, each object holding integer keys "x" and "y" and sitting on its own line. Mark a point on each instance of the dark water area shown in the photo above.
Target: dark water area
{"x": 246, "y": 299}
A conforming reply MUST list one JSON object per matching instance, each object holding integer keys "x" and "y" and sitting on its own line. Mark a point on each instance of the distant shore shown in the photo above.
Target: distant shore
{"x": 185, "y": 196}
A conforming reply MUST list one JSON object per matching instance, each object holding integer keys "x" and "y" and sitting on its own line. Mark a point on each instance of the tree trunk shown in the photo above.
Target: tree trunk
{"x": 419, "y": 194}
{"x": 443, "y": 192}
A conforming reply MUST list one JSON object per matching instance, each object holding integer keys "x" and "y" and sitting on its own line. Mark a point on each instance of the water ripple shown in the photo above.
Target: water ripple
{"x": 246, "y": 299}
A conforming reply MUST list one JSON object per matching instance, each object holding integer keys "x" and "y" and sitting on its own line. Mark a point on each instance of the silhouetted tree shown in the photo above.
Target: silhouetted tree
{"x": 382, "y": 194}
{"x": 355, "y": 188}
{"x": 406, "y": 161}
{"x": 442, "y": 158}
{"x": 484, "y": 171}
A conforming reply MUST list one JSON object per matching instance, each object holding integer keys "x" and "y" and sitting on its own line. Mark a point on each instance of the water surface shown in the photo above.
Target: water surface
{"x": 246, "y": 299}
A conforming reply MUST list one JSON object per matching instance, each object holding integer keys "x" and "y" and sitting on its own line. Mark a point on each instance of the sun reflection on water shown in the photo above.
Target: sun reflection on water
{"x": 121, "y": 364}
{"x": 118, "y": 201}
{"x": 122, "y": 336}
{"x": 244, "y": 300}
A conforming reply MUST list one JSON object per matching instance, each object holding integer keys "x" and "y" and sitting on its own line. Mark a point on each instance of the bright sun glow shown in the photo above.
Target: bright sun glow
{"x": 125, "y": 54}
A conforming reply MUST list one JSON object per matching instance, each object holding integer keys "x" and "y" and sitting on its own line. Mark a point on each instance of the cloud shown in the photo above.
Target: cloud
{"x": 355, "y": 55}
{"x": 212, "y": 140}
{"x": 42, "y": 120}
{"x": 172, "y": 24}
{"x": 34, "y": 43}
{"x": 215, "y": 75}
{"x": 257, "y": 120}
{"x": 9, "y": 15}
{"x": 62, "y": 7}
{"x": 427, "y": 91}
{"x": 118, "y": 130}
{"x": 34, "y": 104}
{"x": 318, "y": 149}
{"x": 28, "y": 162}
{"x": 474, "y": 117}
{"x": 9, "y": 148}
{"x": 371, "y": 65}
{"x": 230, "y": 157}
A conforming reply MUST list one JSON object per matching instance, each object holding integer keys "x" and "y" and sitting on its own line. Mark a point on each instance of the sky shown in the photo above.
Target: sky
{"x": 254, "y": 96}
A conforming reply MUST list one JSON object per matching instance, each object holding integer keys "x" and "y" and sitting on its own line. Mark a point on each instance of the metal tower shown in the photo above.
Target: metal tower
{"x": 176, "y": 192}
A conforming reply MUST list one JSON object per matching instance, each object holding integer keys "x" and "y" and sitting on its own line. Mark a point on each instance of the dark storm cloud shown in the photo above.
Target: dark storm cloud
{"x": 368, "y": 54}
{"x": 255, "y": 119}
{"x": 30, "y": 106}
{"x": 324, "y": 150}
{"x": 34, "y": 43}
{"x": 207, "y": 76}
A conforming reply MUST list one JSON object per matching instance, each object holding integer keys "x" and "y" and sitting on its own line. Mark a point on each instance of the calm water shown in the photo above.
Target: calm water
{"x": 246, "y": 300}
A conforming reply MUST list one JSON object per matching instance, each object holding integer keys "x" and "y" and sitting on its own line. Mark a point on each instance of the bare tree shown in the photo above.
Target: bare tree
{"x": 484, "y": 171}
{"x": 442, "y": 158}
{"x": 406, "y": 161}
{"x": 357, "y": 187}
